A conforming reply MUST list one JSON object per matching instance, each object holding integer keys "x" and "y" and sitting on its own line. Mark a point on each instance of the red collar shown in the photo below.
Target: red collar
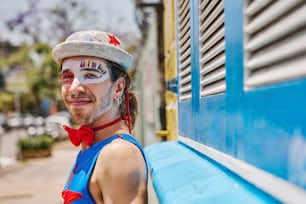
{"x": 85, "y": 133}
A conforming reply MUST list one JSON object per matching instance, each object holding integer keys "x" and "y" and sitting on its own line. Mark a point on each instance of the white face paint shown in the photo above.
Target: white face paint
{"x": 87, "y": 72}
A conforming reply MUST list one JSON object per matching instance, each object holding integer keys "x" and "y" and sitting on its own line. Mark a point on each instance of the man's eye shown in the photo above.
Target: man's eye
{"x": 91, "y": 75}
{"x": 66, "y": 78}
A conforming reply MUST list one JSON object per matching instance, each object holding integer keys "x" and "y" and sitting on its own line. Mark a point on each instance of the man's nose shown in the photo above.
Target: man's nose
{"x": 76, "y": 85}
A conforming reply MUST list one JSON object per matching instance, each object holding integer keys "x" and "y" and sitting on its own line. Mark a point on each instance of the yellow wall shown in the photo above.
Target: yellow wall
{"x": 170, "y": 68}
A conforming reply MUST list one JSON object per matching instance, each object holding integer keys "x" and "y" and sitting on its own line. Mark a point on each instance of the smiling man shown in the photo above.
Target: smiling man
{"x": 111, "y": 166}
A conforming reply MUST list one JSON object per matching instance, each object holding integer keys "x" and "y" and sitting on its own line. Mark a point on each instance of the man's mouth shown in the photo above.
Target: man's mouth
{"x": 79, "y": 101}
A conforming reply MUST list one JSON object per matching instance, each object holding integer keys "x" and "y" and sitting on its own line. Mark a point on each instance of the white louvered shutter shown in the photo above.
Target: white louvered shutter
{"x": 212, "y": 47}
{"x": 275, "y": 41}
{"x": 184, "y": 50}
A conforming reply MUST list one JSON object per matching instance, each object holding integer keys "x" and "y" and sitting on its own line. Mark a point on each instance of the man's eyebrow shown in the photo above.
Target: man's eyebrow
{"x": 65, "y": 70}
{"x": 91, "y": 69}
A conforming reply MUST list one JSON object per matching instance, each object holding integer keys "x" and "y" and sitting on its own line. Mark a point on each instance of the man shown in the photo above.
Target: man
{"x": 111, "y": 166}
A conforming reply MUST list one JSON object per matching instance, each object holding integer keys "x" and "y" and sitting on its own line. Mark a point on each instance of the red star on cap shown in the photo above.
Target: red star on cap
{"x": 113, "y": 40}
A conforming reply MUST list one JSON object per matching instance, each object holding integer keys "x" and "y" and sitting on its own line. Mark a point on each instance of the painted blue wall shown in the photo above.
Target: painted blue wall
{"x": 264, "y": 126}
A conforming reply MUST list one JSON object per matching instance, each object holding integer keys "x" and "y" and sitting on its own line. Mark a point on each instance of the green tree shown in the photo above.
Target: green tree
{"x": 41, "y": 73}
{"x": 49, "y": 25}
{"x": 34, "y": 61}
{"x": 45, "y": 27}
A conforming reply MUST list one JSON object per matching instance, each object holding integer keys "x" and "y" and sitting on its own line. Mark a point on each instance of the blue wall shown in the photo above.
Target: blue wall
{"x": 264, "y": 126}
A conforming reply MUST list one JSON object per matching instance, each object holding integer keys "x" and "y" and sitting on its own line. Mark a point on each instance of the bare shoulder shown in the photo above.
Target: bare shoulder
{"x": 120, "y": 172}
{"x": 118, "y": 155}
{"x": 121, "y": 150}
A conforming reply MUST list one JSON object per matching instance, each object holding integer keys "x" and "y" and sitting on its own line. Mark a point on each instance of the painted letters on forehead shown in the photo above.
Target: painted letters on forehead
{"x": 92, "y": 64}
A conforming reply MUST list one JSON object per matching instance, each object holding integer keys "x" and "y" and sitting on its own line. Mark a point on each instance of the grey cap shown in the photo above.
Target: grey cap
{"x": 93, "y": 43}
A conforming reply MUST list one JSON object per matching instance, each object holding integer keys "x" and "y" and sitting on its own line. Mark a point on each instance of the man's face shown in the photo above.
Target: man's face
{"x": 86, "y": 88}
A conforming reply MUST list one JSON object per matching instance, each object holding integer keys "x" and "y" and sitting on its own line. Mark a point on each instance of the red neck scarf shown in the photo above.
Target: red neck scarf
{"x": 85, "y": 133}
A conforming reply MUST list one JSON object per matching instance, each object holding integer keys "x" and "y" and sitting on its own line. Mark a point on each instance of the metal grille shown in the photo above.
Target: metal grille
{"x": 275, "y": 41}
{"x": 212, "y": 47}
{"x": 184, "y": 49}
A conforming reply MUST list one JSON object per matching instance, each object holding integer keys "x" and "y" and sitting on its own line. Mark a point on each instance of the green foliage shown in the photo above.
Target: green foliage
{"x": 20, "y": 57}
{"x": 36, "y": 143}
{"x": 35, "y": 63}
{"x": 2, "y": 63}
{"x": 42, "y": 48}
{"x": 51, "y": 24}
{"x": 44, "y": 78}
{"x": 6, "y": 102}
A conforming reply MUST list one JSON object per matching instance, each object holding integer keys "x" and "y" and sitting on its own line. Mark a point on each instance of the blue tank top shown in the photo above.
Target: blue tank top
{"x": 76, "y": 190}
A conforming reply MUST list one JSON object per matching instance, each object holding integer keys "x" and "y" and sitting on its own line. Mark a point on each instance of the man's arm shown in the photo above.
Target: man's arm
{"x": 120, "y": 173}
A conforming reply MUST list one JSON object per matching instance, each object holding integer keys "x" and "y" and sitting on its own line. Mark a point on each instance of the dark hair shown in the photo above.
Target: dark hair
{"x": 116, "y": 71}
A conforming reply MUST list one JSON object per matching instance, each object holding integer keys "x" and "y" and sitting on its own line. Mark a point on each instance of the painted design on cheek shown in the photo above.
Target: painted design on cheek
{"x": 92, "y": 64}
{"x": 82, "y": 64}
{"x": 103, "y": 70}
{"x": 92, "y": 71}
{"x": 99, "y": 67}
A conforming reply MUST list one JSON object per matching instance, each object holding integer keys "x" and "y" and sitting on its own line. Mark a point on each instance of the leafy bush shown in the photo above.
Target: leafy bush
{"x": 36, "y": 143}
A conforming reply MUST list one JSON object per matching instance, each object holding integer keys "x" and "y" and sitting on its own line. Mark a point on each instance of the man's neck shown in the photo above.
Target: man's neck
{"x": 102, "y": 134}
{"x": 107, "y": 130}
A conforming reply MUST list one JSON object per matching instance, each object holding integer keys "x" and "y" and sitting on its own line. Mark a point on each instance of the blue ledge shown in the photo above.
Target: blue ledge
{"x": 183, "y": 176}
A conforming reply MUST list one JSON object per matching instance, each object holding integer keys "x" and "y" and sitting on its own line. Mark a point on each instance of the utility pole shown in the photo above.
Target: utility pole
{"x": 159, "y": 10}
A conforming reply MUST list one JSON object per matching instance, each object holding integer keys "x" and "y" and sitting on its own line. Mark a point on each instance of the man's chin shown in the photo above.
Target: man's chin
{"x": 79, "y": 119}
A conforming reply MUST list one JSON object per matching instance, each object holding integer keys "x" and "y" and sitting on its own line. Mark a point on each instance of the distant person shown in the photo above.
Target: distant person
{"x": 111, "y": 166}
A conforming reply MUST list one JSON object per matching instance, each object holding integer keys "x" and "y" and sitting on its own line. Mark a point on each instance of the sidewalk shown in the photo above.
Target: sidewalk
{"x": 37, "y": 181}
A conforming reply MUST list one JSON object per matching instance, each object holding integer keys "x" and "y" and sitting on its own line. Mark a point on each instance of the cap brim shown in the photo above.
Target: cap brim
{"x": 108, "y": 52}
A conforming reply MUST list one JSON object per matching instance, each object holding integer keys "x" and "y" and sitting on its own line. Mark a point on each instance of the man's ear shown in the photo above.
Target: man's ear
{"x": 119, "y": 87}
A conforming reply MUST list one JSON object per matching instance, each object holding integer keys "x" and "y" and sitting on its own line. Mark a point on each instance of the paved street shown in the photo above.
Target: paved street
{"x": 8, "y": 146}
{"x": 37, "y": 181}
